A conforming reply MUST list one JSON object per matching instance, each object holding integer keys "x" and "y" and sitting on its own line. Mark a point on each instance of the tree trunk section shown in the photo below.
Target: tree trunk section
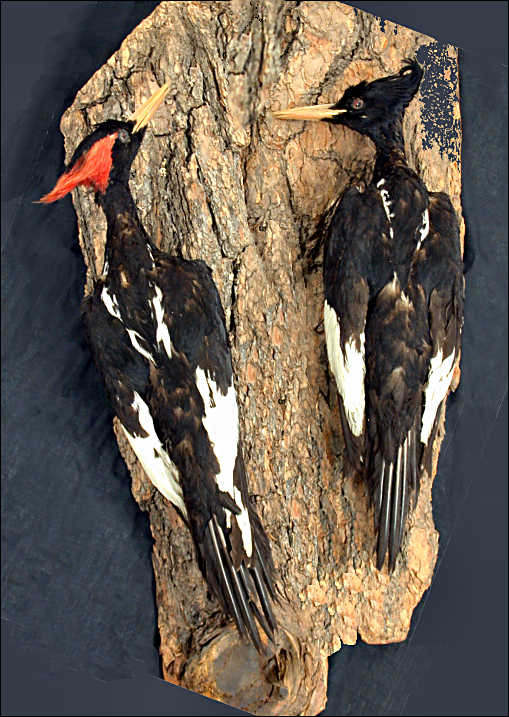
{"x": 217, "y": 178}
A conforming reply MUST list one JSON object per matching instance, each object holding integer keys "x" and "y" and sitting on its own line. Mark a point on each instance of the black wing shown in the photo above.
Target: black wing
{"x": 438, "y": 276}
{"x": 233, "y": 548}
{"x": 359, "y": 297}
{"x": 347, "y": 265}
{"x": 166, "y": 366}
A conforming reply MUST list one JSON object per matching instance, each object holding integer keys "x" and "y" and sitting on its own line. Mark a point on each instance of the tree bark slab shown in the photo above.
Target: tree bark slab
{"x": 217, "y": 178}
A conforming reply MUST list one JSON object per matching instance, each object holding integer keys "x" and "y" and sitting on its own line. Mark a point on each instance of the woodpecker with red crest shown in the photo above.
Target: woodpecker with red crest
{"x": 393, "y": 312}
{"x": 157, "y": 331}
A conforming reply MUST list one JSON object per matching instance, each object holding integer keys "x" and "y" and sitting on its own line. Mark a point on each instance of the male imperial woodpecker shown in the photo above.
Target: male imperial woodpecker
{"x": 393, "y": 285}
{"x": 157, "y": 331}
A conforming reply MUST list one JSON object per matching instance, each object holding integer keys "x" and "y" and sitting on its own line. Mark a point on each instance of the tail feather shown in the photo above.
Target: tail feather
{"x": 240, "y": 593}
{"x": 413, "y": 461}
{"x": 379, "y": 495}
{"x": 405, "y": 489}
{"x": 244, "y": 592}
{"x": 250, "y": 589}
{"x": 395, "y": 510}
{"x": 264, "y": 598}
{"x": 266, "y": 568}
{"x": 227, "y": 593}
{"x": 395, "y": 484}
{"x": 385, "y": 515}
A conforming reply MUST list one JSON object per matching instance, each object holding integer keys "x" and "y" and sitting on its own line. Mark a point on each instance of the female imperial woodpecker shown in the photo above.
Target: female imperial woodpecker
{"x": 157, "y": 331}
{"x": 393, "y": 312}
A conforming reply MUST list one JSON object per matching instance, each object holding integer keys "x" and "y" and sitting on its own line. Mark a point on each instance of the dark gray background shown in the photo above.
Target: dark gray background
{"x": 78, "y": 612}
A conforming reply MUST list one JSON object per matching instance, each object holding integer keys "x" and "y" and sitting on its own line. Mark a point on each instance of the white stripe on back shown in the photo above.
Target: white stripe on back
{"x": 384, "y": 194}
{"x": 134, "y": 336}
{"x": 111, "y": 303}
{"x": 162, "y": 333}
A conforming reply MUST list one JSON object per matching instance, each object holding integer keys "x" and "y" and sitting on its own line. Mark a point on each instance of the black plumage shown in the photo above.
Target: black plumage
{"x": 157, "y": 331}
{"x": 393, "y": 312}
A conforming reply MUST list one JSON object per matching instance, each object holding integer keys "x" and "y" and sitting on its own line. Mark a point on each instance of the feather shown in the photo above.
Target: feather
{"x": 385, "y": 516}
{"x": 379, "y": 495}
{"x": 240, "y": 592}
{"x": 92, "y": 169}
{"x": 395, "y": 510}
{"x": 404, "y": 492}
{"x": 227, "y": 588}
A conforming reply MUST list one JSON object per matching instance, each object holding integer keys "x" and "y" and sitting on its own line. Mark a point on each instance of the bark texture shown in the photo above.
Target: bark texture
{"x": 218, "y": 178}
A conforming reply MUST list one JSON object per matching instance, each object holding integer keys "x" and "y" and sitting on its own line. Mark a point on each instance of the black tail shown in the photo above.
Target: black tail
{"x": 395, "y": 483}
{"x": 245, "y": 592}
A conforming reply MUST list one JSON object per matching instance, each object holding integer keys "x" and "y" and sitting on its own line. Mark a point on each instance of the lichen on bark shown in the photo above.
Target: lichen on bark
{"x": 218, "y": 178}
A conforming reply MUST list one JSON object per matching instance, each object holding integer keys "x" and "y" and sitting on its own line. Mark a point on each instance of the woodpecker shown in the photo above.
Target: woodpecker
{"x": 393, "y": 310}
{"x": 157, "y": 331}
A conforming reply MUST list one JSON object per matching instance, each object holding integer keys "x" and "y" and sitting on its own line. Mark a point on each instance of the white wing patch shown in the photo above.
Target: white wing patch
{"x": 242, "y": 521}
{"x": 439, "y": 380}
{"x": 153, "y": 457}
{"x": 348, "y": 368}
{"x": 134, "y": 336}
{"x": 111, "y": 303}
{"x": 424, "y": 228}
{"x": 150, "y": 255}
{"x": 221, "y": 421}
{"x": 162, "y": 333}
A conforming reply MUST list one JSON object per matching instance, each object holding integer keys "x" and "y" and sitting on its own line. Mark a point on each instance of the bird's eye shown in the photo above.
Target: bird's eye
{"x": 357, "y": 103}
{"x": 123, "y": 136}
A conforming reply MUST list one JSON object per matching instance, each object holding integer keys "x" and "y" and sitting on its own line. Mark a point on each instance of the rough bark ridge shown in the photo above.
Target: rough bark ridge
{"x": 218, "y": 178}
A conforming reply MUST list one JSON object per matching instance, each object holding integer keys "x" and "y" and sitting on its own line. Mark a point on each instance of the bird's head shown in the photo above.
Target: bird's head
{"x": 105, "y": 156}
{"x": 371, "y": 108}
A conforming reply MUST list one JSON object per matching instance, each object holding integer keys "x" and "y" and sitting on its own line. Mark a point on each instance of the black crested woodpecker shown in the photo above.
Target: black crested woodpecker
{"x": 393, "y": 312}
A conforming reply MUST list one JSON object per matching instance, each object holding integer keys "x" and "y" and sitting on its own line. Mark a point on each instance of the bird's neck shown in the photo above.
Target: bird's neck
{"x": 390, "y": 148}
{"x": 119, "y": 207}
{"x": 125, "y": 232}
{"x": 389, "y": 156}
